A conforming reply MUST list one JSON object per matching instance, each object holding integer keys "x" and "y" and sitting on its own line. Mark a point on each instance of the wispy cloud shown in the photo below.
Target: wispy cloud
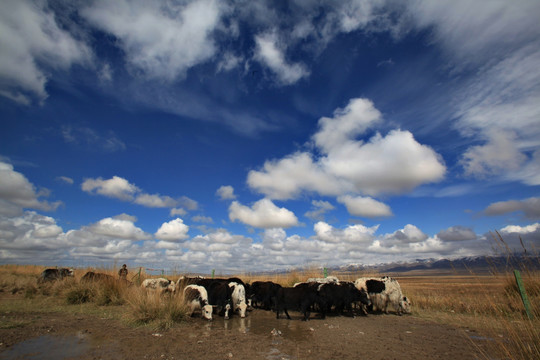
{"x": 92, "y": 139}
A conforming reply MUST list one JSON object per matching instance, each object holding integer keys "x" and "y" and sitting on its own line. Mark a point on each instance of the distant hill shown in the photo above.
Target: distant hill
{"x": 477, "y": 265}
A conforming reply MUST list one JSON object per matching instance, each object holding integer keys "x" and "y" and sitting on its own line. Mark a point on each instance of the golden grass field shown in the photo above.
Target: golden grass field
{"x": 486, "y": 304}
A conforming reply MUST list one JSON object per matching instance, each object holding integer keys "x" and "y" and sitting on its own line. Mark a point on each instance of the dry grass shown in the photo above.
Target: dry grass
{"x": 160, "y": 310}
{"x": 485, "y": 305}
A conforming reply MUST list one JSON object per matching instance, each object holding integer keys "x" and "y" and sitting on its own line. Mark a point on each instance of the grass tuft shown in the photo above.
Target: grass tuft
{"x": 149, "y": 307}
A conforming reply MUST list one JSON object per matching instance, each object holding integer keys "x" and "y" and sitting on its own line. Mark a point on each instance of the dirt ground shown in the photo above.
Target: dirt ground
{"x": 259, "y": 336}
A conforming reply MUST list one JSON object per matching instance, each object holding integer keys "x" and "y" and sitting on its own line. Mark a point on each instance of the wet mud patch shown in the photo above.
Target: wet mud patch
{"x": 258, "y": 336}
{"x": 48, "y": 347}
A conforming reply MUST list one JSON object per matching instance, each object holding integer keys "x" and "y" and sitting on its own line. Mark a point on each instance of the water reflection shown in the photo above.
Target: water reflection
{"x": 48, "y": 347}
{"x": 262, "y": 322}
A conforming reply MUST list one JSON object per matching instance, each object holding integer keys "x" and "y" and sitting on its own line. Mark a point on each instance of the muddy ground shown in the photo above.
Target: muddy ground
{"x": 259, "y": 336}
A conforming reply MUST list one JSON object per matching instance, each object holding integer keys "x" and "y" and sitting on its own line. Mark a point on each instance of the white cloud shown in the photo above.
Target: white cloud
{"x": 357, "y": 234}
{"x": 66, "y": 180}
{"x": 519, "y": 238}
{"x": 498, "y": 155}
{"x": 530, "y": 207}
{"x": 119, "y": 228}
{"x": 174, "y": 230}
{"x": 202, "y": 219}
{"x": 176, "y": 211}
{"x": 120, "y": 188}
{"x": 263, "y": 214}
{"x": 395, "y": 163}
{"x": 288, "y": 177}
{"x": 365, "y": 206}
{"x": 32, "y": 237}
{"x": 409, "y": 234}
{"x": 229, "y": 62}
{"x": 529, "y": 174}
{"x": 163, "y": 40}
{"x": 156, "y": 201}
{"x": 320, "y": 207}
{"x": 521, "y": 229}
{"x": 269, "y": 53}
{"x": 188, "y": 203}
{"x": 497, "y": 25}
{"x": 17, "y": 193}
{"x": 116, "y": 187}
{"x": 226, "y": 192}
{"x": 346, "y": 125}
{"x": 496, "y": 100}
{"x": 33, "y": 45}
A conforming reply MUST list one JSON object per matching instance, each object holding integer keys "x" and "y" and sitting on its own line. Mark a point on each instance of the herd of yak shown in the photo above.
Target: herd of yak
{"x": 234, "y": 296}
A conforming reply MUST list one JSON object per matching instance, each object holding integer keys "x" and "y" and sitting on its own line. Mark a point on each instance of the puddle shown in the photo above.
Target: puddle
{"x": 264, "y": 323}
{"x": 483, "y": 338}
{"x": 48, "y": 347}
{"x": 275, "y": 354}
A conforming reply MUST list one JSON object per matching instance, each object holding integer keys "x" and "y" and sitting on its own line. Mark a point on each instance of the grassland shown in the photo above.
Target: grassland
{"x": 487, "y": 305}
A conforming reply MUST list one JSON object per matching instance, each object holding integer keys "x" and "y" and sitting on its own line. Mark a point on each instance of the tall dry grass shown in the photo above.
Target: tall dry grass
{"x": 151, "y": 307}
{"x": 129, "y": 302}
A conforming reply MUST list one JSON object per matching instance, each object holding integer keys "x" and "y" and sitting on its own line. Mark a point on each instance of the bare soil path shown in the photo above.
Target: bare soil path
{"x": 258, "y": 336}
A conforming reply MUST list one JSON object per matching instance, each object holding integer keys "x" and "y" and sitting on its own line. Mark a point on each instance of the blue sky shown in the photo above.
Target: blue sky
{"x": 262, "y": 135}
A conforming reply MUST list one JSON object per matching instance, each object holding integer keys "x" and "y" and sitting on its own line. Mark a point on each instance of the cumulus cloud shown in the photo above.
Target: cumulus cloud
{"x": 174, "y": 230}
{"x": 395, "y": 163}
{"x": 17, "y": 193}
{"x": 34, "y": 44}
{"x": 120, "y": 188}
{"x": 263, "y": 214}
{"x": 346, "y": 124}
{"x": 286, "y": 178}
{"x": 530, "y": 207}
{"x": 161, "y": 40}
{"x": 116, "y": 187}
{"x": 121, "y": 227}
{"x": 226, "y": 192}
{"x": 365, "y": 206}
{"x": 356, "y": 234}
{"x": 409, "y": 234}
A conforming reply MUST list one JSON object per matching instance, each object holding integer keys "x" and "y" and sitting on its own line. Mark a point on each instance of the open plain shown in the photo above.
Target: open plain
{"x": 458, "y": 316}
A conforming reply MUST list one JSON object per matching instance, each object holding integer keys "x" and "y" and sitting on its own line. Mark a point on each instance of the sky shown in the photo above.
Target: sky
{"x": 248, "y": 136}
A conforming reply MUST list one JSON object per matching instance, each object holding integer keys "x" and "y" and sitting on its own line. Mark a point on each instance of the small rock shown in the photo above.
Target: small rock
{"x": 157, "y": 335}
{"x": 230, "y": 355}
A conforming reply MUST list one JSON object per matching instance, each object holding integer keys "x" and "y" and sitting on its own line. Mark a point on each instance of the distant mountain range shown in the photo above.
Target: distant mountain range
{"x": 476, "y": 265}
